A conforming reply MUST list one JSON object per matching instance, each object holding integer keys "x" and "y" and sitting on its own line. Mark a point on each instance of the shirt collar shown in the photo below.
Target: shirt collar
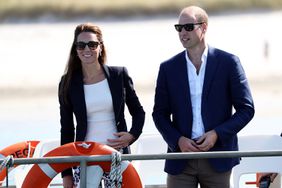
{"x": 205, "y": 54}
{"x": 203, "y": 58}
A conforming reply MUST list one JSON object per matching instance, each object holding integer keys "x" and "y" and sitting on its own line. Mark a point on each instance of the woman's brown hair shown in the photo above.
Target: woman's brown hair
{"x": 74, "y": 63}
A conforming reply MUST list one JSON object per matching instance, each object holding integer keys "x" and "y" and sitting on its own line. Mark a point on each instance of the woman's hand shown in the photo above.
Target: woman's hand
{"x": 123, "y": 140}
{"x": 68, "y": 182}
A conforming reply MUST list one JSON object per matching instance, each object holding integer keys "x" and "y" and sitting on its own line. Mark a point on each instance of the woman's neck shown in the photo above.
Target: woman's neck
{"x": 92, "y": 73}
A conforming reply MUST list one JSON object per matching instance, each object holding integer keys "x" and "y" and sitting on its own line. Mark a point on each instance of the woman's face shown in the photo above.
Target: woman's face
{"x": 88, "y": 47}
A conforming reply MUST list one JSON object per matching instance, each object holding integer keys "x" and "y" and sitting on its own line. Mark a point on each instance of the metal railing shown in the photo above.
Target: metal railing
{"x": 83, "y": 160}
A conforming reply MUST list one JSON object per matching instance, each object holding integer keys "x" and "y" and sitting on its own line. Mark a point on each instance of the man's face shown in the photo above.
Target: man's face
{"x": 191, "y": 34}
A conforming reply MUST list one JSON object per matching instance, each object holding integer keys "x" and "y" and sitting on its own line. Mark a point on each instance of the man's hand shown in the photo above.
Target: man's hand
{"x": 187, "y": 145}
{"x": 207, "y": 141}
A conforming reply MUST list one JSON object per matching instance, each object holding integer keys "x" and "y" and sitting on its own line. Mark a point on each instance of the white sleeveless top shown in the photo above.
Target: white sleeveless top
{"x": 100, "y": 114}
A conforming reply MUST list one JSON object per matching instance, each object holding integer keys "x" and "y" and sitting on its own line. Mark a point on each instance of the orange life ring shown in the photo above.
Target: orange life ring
{"x": 40, "y": 175}
{"x": 19, "y": 150}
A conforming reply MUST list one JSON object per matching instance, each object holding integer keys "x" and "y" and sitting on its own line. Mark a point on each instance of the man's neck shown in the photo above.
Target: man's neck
{"x": 195, "y": 54}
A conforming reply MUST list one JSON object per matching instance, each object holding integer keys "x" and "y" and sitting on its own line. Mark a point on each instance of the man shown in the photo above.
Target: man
{"x": 195, "y": 93}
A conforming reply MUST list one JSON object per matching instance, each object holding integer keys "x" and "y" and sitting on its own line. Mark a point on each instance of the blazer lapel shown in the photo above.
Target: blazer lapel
{"x": 181, "y": 74}
{"x": 183, "y": 77}
{"x": 116, "y": 88}
{"x": 78, "y": 94}
{"x": 211, "y": 68}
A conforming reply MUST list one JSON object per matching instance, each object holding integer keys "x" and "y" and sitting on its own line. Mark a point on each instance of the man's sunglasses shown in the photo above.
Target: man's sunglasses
{"x": 187, "y": 27}
{"x": 92, "y": 45}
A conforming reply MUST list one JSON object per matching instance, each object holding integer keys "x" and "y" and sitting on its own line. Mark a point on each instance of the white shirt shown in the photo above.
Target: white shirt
{"x": 196, "y": 82}
{"x": 100, "y": 114}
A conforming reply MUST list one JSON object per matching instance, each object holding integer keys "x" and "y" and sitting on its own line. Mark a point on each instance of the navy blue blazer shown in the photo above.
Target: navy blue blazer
{"x": 122, "y": 91}
{"x": 225, "y": 87}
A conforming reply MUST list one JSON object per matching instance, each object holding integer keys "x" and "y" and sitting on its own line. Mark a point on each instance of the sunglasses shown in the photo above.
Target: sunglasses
{"x": 187, "y": 27}
{"x": 92, "y": 45}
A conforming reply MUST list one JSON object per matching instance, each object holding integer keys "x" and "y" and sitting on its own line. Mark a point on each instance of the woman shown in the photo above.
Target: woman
{"x": 96, "y": 95}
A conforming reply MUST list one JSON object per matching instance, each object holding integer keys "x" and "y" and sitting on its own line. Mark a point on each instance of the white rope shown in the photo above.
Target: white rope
{"x": 115, "y": 174}
{"x": 7, "y": 162}
{"x": 84, "y": 145}
{"x": 29, "y": 150}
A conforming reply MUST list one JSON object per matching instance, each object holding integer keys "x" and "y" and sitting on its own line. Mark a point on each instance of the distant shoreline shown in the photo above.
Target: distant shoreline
{"x": 15, "y": 11}
{"x": 115, "y": 16}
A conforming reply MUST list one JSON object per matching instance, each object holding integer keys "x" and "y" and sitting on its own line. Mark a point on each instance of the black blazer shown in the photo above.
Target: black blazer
{"x": 122, "y": 91}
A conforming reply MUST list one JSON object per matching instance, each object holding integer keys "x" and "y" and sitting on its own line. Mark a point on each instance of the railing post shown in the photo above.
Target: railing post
{"x": 83, "y": 174}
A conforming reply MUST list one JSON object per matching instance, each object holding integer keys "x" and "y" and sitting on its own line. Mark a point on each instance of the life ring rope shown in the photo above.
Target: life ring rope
{"x": 7, "y": 162}
{"x": 116, "y": 174}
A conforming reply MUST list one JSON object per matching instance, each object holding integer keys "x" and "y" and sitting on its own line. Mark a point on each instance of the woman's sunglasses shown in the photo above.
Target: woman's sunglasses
{"x": 92, "y": 45}
{"x": 187, "y": 27}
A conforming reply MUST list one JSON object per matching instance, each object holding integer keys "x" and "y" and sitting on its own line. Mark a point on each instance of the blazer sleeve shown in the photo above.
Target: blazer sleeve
{"x": 66, "y": 120}
{"x": 134, "y": 106}
{"x": 241, "y": 100}
{"x": 66, "y": 117}
{"x": 162, "y": 111}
